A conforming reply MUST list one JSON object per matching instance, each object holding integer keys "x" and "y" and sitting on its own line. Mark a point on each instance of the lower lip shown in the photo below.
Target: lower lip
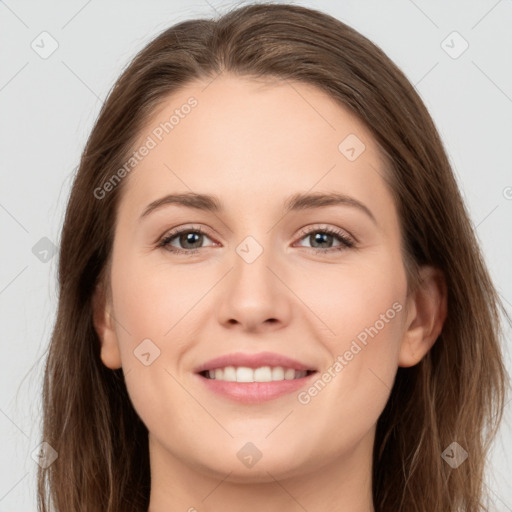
{"x": 255, "y": 392}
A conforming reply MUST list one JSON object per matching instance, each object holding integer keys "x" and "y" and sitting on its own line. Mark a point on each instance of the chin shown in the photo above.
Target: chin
{"x": 253, "y": 462}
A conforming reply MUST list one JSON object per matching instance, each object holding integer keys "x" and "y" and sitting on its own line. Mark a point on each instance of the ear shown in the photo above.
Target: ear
{"x": 426, "y": 313}
{"x": 103, "y": 320}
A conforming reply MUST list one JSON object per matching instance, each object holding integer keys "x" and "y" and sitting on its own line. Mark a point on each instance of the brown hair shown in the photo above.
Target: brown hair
{"x": 455, "y": 393}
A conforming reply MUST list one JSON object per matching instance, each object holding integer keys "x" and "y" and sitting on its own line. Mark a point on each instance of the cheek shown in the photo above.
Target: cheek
{"x": 365, "y": 309}
{"x": 151, "y": 304}
{"x": 361, "y": 302}
{"x": 151, "y": 299}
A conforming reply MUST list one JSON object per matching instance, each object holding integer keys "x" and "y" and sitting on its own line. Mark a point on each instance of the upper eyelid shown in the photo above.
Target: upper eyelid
{"x": 177, "y": 231}
{"x": 325, "y": 227}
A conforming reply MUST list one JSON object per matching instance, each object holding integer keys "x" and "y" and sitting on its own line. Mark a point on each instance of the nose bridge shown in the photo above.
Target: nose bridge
{"x": 253, "y": 293}
{"x": 251, "y": 274}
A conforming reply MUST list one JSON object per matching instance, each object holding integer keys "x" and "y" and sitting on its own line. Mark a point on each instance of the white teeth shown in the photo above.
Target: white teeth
{"x": 278, "y": 373}
{"x": 243, "y": 374}
{"x": 289, "y": 374}
{"x": 261, "y": 374}
{"x": 230, "y": 374}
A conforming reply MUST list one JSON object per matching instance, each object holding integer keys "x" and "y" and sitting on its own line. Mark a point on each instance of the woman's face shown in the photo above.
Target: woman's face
{"x": 264, "y": 281}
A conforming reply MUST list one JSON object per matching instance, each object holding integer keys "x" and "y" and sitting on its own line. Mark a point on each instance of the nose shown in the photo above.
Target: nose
{"x": 254, "y": 296}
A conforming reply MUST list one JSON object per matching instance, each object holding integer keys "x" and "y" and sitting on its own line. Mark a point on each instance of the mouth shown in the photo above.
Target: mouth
{"x": 254, "y": 378}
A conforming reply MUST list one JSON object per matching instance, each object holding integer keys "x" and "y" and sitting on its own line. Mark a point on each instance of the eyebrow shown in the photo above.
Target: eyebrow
{"x": 296, "y": 202}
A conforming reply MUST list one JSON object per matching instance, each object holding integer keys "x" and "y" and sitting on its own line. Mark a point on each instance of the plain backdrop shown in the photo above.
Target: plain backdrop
{"x": 48, "y": 104}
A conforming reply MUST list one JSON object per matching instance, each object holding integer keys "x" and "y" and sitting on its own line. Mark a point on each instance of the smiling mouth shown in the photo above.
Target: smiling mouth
{"x": 244, "y": 374}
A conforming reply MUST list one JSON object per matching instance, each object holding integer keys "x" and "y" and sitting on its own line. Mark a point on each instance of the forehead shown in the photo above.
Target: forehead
{"x": 254, "y": 141}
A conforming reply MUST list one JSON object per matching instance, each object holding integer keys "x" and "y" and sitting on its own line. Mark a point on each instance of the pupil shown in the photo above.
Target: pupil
{"x": 189, "y": 238}
{"x": 320, "y": 238}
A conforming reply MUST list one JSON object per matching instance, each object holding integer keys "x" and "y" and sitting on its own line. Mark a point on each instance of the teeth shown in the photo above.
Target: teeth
{"x": 243, "y": 374}
{"x": 278, "y": 373}
{"x": 289, "y": 374}
{"x": 262, "y": 374}
{"x": 229, "y": 374}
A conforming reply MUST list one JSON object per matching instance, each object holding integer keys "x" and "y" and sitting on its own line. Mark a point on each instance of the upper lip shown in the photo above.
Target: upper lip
{"x": 253, "y": 361}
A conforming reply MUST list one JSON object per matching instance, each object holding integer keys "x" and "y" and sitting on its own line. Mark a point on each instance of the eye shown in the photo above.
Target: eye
{"x": 321, "y": 239}
{"x": 189, "y": 239}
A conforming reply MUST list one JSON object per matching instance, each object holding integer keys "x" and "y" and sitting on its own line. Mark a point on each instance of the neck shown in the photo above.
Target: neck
{"x": 341, "y": 484}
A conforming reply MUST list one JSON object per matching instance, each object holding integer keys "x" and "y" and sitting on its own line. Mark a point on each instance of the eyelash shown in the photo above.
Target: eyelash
{"x": 346, "y": 242}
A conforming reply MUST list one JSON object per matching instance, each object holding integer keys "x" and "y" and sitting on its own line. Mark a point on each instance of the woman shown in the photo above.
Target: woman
{"x": 330, "y": 341}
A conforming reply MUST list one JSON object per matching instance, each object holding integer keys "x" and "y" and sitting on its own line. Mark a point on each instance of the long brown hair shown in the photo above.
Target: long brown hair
{"x": 455, "y": 393}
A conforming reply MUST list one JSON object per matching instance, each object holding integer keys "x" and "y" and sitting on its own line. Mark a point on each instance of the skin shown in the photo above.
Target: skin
{"x": 253, "y": 143}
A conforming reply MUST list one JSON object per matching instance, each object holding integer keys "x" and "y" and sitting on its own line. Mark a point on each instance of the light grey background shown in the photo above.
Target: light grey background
{"x": 48, "y": 107}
